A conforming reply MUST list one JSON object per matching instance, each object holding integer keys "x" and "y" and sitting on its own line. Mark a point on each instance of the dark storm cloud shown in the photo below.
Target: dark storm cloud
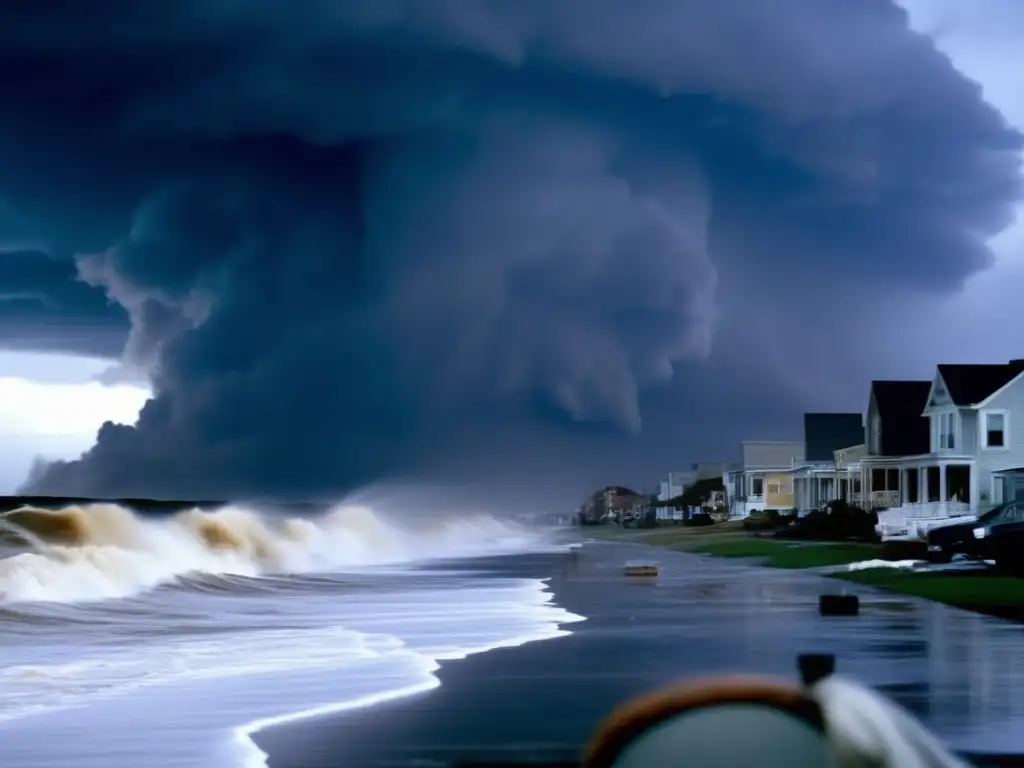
{"x": 354, "y": 236}
{"x": 44, "y": 306}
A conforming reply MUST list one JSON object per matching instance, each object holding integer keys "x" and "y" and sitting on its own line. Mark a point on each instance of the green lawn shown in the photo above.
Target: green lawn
{"x": 778, "y": 553}
{"x": 967, "y": 590}
{"x": 730, "y": 540}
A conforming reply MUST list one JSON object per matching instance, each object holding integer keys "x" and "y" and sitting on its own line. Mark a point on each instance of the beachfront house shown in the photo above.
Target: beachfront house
{"x": 673, "y": 485}
{"x": 762, "y": 480}
{"x": 830, "y": 468}
{"x": 895, "y": 427}
{"x": 975, "y": 448}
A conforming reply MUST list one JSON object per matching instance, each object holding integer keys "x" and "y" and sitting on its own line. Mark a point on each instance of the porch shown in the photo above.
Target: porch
{"x": 814, "y": 486}
{"x": 932, "y": 490}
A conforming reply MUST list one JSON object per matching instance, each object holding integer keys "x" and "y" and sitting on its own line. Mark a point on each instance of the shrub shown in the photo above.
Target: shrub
{"x": 838, "y": 521}
{"x": 767, "y": 520}
{"x": 649, "y": 519}
{"x": 700, "y": 518}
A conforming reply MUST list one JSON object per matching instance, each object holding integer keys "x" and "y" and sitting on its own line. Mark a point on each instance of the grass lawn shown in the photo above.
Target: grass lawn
{"x": 976, "y": 591}
{"x": 778, "y": 553}
{"x": 731, "y": 540}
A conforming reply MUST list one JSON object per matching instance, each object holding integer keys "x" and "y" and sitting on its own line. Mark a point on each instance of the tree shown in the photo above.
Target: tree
{"x": 694, "y": 495}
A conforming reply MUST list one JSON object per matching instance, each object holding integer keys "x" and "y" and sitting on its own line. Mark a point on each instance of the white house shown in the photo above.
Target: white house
{"x": 763, "y": 480}
{"x": 975, "y": 459}
{"x": 815, "y": 484}
{"x": 674, "y": 484}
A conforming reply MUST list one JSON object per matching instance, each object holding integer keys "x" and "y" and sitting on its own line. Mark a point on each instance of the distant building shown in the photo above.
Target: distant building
{"x": 763, "y": 479}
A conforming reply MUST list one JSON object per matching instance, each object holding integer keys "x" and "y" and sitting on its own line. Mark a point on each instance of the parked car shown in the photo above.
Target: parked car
{"x": 997, "y": 535}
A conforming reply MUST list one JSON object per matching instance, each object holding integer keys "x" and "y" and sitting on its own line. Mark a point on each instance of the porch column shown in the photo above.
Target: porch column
{"x": 922, "y": 484}
{"x": 942, "y": 481}
{"x": 904, "y": 484}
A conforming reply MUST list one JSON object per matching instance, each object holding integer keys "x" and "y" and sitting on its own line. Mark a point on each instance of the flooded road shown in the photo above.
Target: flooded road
{"x": 961, "y": 673}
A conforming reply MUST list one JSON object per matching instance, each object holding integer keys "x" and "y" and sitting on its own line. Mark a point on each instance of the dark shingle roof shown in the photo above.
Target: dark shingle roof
{"x": 971, "y": 384}
{"x": 893, "y": 399}
{"x": 825, "y": 433}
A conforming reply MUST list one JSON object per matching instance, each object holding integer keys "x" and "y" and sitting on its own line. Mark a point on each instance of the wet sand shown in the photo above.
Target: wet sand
{"x": 960, "y": 672}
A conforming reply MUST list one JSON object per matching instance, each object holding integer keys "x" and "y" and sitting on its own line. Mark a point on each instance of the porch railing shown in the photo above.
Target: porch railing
{"x": 917, "y": 519}
{"x": 885, "y": 498}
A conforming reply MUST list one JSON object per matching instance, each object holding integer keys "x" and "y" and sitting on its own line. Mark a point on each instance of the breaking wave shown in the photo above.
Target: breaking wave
{"x": 103, "y": 551}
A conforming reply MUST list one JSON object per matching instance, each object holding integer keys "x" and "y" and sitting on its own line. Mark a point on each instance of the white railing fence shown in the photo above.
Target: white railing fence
{"x": 915, "y": 520}
{"x": 885, "y": 498}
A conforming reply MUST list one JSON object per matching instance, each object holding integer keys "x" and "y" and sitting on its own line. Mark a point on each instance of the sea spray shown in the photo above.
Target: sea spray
{"x": 105, "y": 551}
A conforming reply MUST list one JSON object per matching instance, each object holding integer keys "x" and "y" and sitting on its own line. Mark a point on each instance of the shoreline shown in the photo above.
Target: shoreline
{"x": 540, "y": 702}
{"x": 250, "y": 736}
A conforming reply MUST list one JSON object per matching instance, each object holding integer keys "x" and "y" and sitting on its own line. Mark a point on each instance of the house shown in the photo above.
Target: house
{"x": 830, "y": 439}
{"x": 762, "y": 480}
{"x": 975, "y": 451}
{"x": 619, "y": 500}
{"x": 895, "y": 427}
{"x": 674, "y": 484}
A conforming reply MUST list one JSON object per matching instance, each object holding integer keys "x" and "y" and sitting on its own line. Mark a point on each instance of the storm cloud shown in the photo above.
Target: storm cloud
{"x": 346, "y": 239}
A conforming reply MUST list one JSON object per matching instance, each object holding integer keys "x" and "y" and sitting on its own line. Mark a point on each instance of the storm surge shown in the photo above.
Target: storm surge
{"x": 105, "y": 551}
{"x": 203, "y": 628}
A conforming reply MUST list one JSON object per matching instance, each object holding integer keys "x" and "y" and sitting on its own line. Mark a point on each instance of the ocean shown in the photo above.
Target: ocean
{"x": 174, "y": 640}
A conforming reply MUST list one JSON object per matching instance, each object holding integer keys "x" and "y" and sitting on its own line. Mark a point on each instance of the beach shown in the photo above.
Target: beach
{"x": 235, "y": 638}
{"x": 958, "y": 671}
{"x": 172, "y": 639}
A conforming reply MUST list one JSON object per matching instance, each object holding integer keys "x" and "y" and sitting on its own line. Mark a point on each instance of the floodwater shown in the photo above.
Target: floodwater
{"x": 961, "y": 673}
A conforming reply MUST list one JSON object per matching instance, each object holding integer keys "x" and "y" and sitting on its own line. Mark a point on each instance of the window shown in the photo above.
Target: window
{"x": 993, "y": 429}
{"x": 876, "y": 434}
{"x": 757, "y": 486}
{"x": 884, "y": 479}
{"x": 856, "y": 485}
{"x": 944, "y": 431}
{"x": 1011, "y": 513}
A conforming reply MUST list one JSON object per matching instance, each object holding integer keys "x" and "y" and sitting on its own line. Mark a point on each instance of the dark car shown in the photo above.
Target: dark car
{"x": 997, "y": 535}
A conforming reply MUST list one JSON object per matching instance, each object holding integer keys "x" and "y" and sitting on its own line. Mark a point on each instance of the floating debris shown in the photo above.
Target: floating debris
{"x": 640, "y": 568}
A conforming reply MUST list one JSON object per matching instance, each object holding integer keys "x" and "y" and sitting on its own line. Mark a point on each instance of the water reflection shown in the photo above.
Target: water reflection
{"x": 961, "y": 673}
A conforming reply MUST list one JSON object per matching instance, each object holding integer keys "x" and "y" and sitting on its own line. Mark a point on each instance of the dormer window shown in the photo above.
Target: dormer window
{"x": 944, "y": 431}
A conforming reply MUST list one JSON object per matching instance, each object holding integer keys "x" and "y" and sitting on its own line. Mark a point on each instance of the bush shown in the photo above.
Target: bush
{"x": 701, "y": 518}
{"x": 649, "y": 519}
{"x": 767, "y": 520}
{"x": 839, "y": 521}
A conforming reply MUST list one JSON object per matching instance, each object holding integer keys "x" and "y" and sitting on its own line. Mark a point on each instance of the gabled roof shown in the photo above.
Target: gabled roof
{"x": 972, "y": 384}
{"x": 825, "y": 433}
{"x": 895, "y": 399}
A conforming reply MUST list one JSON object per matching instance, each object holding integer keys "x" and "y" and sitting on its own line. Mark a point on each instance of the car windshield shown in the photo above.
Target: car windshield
{"x": 1007, "y": 513}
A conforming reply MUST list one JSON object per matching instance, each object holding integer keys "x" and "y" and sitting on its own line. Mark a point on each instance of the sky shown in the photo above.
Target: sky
{"x": 538, "y": 247}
